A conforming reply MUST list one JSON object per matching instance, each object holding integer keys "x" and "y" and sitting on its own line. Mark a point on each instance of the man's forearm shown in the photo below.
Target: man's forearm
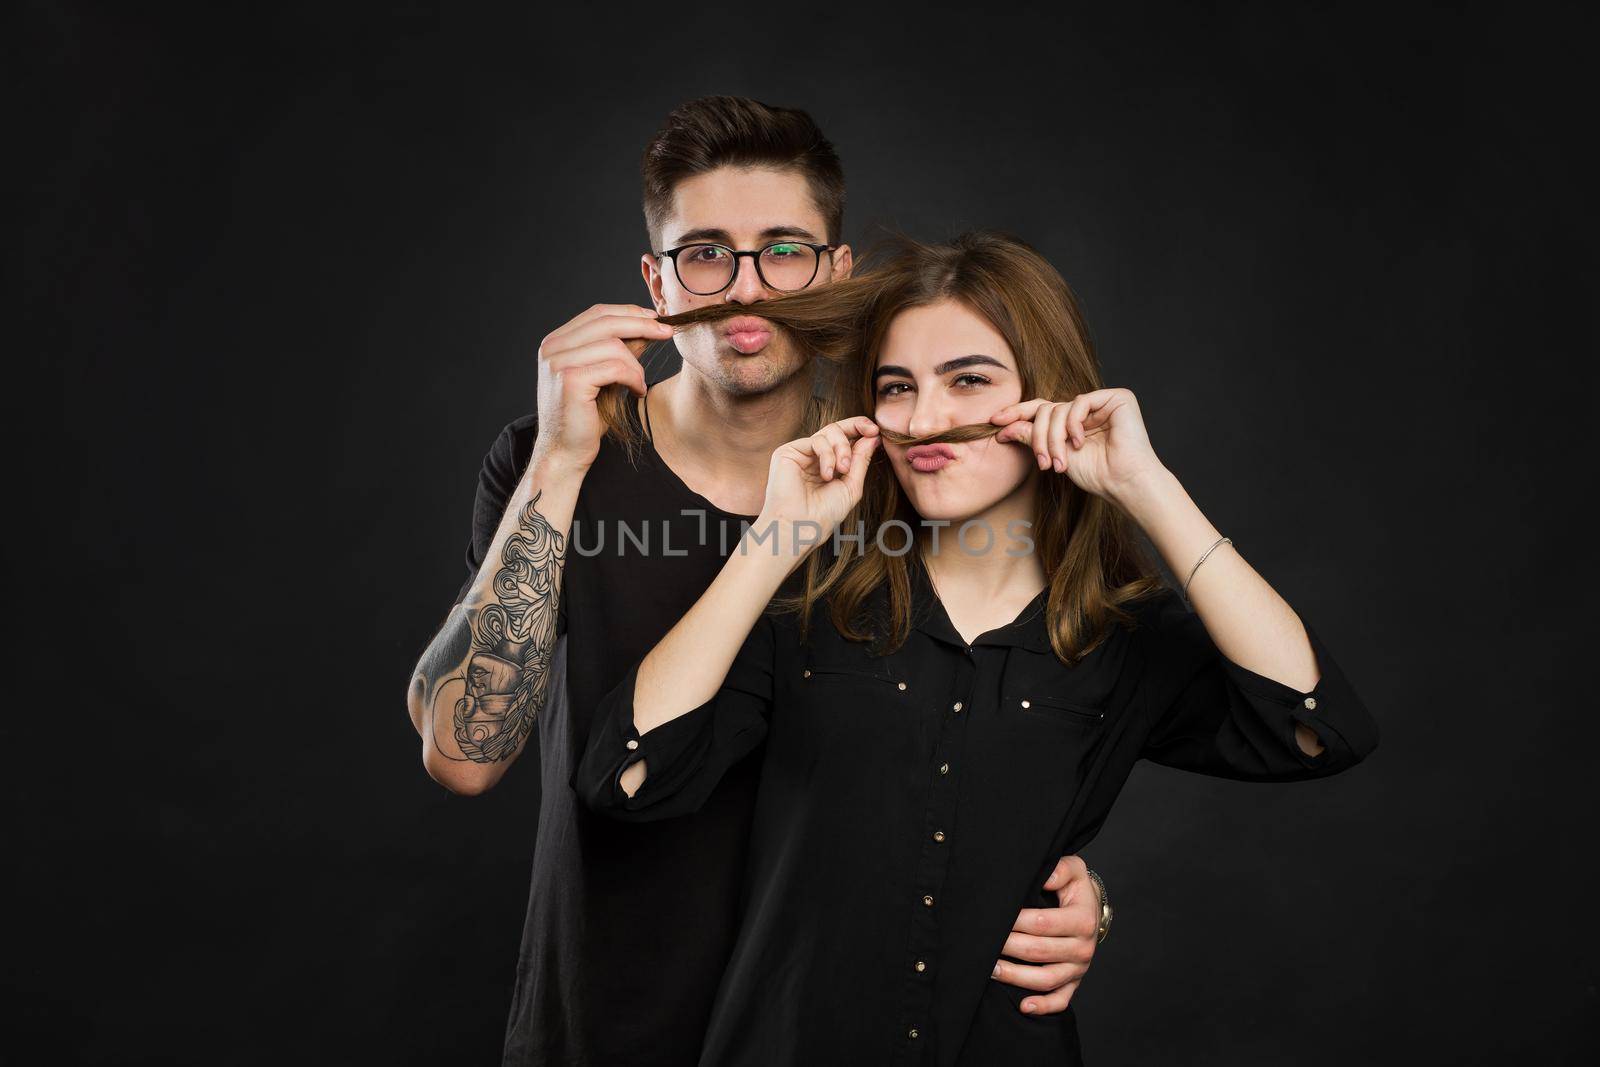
{"x": 484, "y": 678}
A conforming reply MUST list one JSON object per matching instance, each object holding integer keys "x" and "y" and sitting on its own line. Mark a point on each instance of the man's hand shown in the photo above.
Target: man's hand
{"x": 576, "y": 362}
{"x": 1058, "y": 943}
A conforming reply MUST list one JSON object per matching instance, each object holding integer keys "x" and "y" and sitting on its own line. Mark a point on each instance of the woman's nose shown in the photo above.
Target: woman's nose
{"x": 928, "y": 416}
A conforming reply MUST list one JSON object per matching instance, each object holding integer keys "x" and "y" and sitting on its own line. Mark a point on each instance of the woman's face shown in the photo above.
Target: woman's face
{"x": 943, "y": 365}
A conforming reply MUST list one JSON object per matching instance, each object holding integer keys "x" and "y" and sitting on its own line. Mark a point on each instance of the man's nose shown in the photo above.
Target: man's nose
{"x": 747, "y": 287}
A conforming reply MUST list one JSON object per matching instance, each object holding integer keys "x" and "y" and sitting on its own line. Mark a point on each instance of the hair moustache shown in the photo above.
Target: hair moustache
{"x": 972, "y": 431}
{"x": 827, "y": 321}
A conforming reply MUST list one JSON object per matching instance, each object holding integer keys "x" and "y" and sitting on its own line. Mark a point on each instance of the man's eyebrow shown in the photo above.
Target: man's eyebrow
{"x": 721, "y": 236}
{"x": 772, "y": 233}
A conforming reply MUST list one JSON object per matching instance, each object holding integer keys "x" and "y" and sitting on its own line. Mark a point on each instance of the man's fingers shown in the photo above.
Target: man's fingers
{"x": 593, "y": 352}
{"x": 604, "y": 326}
{"x": 1049, "y": 1003}
{"x": 1041, "y": 978}
{"x": 1038, "y": 949}
{"x": 1030, "y": 947}
{"x": 596, "y": 376}
{"x": 1067, "y": 868}
{"x": 1056, "y": 922}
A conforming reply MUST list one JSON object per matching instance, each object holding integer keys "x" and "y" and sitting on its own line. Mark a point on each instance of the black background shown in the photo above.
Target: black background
{"x": 287, "y": 267}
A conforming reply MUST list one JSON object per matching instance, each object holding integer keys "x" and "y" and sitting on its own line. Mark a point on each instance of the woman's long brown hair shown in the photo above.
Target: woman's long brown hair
{"x": 1092, "y": 554}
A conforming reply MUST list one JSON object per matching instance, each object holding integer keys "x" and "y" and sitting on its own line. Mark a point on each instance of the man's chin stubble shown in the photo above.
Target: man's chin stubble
{"x": 754, "y": 374}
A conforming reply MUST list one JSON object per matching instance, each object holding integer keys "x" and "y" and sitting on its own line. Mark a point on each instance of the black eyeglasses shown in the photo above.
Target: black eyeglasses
{"x": 708, "y": 269}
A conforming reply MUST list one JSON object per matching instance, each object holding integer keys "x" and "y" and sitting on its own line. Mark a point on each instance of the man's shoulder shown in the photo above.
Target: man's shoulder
{"x": 509, "y": 454}
{"x": 520, "y": 432}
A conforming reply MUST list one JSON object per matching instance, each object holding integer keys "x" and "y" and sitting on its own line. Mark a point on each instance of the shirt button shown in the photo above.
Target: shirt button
{"x": 900, "y": 685}
{"x": 969, "y": 650}
{"x": 632, "y": 745}
{"x": 921, "y": 966}
{"x": 1311, "y": 703}
{"x": 806, "y": 673}
{"x": 944, "y": 768}
{"x": 913, "y": 1034}
{"x": 938, "y": 835}
{"x": 956, "y": 706}
{"x": 1027, "y": 703}
{"x": 927, "y": 901}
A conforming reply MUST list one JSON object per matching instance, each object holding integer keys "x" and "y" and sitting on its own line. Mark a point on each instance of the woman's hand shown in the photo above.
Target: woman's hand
{"x": 819, "y": 478}
{"x": 1098, "y": 439}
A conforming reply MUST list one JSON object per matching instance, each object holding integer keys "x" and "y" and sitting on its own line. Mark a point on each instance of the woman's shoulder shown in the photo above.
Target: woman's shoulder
{"x": 1158, "y": 610}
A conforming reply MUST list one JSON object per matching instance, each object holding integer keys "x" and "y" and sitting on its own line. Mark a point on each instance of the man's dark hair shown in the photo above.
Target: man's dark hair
{"x": 719, "y": 131}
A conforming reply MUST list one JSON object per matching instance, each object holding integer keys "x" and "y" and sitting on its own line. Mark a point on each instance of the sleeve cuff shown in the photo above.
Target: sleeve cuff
{"x": 673, "y": 750}
{"x": 1330, "y": 709}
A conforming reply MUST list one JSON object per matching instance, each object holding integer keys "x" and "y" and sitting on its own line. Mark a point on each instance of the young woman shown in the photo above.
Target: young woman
{"x": 960, "y": 684}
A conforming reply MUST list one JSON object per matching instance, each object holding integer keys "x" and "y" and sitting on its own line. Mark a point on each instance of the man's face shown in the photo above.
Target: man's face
{"x": 744, "y": 208}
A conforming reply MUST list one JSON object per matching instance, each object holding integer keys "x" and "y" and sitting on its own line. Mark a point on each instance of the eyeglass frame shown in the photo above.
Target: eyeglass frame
{"x": 733, "y": 276}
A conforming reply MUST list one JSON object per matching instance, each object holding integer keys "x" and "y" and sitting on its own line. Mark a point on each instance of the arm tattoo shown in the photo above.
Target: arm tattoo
{"x": 494, "y": 701}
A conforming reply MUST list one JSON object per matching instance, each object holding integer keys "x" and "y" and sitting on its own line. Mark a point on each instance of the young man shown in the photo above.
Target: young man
{"x": 587, "y": 547}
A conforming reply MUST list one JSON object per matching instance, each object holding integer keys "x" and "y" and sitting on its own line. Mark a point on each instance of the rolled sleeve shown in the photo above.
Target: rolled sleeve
{"x": 685, "y": 757}
{"x": 1228, "y": 721}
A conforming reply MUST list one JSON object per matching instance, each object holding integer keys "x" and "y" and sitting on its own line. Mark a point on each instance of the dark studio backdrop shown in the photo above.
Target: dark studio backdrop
{"x": 288, "y": 270}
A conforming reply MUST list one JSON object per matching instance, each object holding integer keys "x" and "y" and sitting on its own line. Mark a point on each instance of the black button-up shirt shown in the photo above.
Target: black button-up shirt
{"x": 910, "y": 804}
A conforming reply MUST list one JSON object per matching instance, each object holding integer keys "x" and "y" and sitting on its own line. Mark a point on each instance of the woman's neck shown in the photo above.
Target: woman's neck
{"x": 985, "y": 589}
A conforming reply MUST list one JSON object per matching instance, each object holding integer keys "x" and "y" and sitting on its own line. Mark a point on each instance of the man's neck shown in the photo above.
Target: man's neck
{"x": 721, "y": 445}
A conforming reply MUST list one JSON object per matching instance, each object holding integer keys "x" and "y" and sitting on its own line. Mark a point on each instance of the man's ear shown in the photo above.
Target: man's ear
{"x": 843, "y": 262}
{"x": 652, "y": 281}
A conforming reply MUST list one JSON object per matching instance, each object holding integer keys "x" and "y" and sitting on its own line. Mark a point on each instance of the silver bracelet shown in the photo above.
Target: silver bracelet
{"x": 1202, "y": 559}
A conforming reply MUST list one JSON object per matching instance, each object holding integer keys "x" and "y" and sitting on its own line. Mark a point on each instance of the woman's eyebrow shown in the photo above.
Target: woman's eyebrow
{"x": 946, "y": 367}
{"x": 967, "y": 361}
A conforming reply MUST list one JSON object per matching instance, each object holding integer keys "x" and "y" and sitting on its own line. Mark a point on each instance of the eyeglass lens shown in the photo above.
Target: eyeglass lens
{"x": 707, "y": 269}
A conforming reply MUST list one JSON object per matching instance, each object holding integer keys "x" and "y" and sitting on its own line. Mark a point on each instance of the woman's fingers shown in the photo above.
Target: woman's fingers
{"x": 1060, "y": 419}
{"x": 819, "y": 445}
{"x": 1041, "y": 433}
{"x": 858, "y": 426}
{"x": 1012, "y": 412}
{"x": 1078, "y": 410}
{"x": 1093, "y": 411}
{"x": 860, "y": 458}
{"x": 835, "y": 440}
{"x": 1021, "y": 432}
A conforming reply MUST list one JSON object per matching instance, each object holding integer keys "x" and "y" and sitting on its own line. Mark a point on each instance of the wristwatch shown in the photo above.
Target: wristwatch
{"x": 1104, "y": 926}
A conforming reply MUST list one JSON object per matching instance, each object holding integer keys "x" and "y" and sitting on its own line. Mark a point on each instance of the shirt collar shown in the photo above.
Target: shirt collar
{"x": 928, "y": 615}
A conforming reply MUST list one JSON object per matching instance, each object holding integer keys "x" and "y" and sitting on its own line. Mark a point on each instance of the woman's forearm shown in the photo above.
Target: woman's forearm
{"x": 688, "y": 666}
{"x": 1246, "y": 618}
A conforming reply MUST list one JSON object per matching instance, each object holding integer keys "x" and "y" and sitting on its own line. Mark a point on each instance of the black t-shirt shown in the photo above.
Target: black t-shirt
{"x": 628, "y": 927}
